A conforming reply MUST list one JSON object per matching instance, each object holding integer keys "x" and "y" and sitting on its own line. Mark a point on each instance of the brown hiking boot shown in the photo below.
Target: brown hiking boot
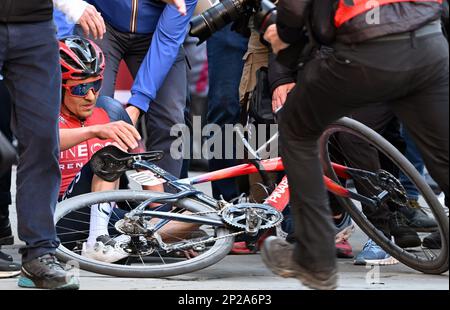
{"x": 277, "y": 254}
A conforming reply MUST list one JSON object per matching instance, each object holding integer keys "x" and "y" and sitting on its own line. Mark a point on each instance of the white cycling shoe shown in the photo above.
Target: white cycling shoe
{"x": 107, "y": 249}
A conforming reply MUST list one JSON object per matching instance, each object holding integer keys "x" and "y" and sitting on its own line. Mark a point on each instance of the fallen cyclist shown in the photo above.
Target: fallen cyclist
{"x": 87, "y": 124}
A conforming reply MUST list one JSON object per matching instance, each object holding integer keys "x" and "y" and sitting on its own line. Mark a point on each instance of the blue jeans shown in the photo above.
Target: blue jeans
{"x": 413, "y": 155}
{"x": 114, "y": 108}
{"x": 226, "y": 50}
{"x": 30, "y": 66}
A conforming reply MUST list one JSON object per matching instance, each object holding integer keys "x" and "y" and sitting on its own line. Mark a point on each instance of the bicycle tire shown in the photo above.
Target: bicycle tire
{"x": 350, "y": 126}
{"x": 214, "y": 254}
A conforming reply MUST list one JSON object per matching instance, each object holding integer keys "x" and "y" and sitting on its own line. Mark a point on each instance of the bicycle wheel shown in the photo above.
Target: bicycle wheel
{"x": 72, "y": 220}
{"x": 344, "y": 142}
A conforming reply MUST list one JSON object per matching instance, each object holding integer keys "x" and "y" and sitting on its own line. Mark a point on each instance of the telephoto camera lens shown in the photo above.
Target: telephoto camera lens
{"x": 265, "y": 15}
{"x": 206, "y": 24}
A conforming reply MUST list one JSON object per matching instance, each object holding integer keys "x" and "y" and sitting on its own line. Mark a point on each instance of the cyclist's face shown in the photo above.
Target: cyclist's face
{"x": 81, "y": 106}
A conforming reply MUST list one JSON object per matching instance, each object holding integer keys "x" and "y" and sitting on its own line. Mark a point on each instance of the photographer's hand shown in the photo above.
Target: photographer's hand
{"x": 271, "y": 36}
{"x": 279, "y": 96}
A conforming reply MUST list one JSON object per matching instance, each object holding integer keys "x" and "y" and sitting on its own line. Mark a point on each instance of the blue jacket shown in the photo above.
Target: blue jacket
{"x": 64, "y": 27}
{"x": 169, "y": 30}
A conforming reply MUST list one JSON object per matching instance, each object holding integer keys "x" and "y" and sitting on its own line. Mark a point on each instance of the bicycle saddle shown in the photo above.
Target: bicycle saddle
{"x": 110, "y": 163}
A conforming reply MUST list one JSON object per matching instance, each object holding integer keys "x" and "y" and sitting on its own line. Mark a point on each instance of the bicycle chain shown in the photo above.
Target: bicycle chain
{"x": 191, "y": 245}
{"x": 206, "y": 212}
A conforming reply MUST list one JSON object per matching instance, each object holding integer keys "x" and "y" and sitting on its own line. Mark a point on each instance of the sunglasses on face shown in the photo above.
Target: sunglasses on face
{"x": 81, "y": 90}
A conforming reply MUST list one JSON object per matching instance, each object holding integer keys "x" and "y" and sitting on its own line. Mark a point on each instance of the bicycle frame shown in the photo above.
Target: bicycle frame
{"x": 278, "y": 199}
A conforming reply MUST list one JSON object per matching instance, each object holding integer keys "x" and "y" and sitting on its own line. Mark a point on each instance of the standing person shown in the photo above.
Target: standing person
{"x": 226, "y": 50}
{"x": 403, "y": 62}
{"x": 78, "y": 11}
{"x": 29, "y": 64}
{"x": 149, "y": 42}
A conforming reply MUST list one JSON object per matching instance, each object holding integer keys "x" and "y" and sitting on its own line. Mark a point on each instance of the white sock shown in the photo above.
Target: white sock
{"x": 100, "y": 214}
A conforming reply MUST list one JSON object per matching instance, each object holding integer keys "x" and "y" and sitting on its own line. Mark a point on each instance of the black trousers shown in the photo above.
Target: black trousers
{"x": 5, "y": 179}
{"x": 359, "y": 154}
{"x": 411, "y": 75}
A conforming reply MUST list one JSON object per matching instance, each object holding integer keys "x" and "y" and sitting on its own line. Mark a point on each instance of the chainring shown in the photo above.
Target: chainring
{"x": 236, "y": 215}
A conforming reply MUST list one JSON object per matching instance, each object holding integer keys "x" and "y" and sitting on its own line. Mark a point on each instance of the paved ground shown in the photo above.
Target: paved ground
{"x": 249, "y": 273}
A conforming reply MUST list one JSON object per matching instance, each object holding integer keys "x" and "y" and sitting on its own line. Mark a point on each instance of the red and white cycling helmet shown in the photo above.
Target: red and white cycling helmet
{"x": 80, "y": 58}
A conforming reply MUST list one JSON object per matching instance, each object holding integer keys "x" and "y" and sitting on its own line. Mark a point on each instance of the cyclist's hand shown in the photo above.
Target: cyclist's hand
{"x": 271, "y": 36}
{"x": 124, "y": 134}
{"x": 179, "y": 4}
{"x": 92, "y": 22}
{"x": 279, "y": 96}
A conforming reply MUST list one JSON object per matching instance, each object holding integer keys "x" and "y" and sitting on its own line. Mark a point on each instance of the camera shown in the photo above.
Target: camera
{"x": 217, "y": 17}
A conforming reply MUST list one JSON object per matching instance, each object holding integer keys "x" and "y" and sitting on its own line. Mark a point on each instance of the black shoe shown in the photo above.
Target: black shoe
{"x": 404, "y": 236}
{"x": 277, "y": 255}
{"x": 417, "y": 218}
{"x": 47, "y": 273}
{"x": 6, "y": 237}
{"x": 433, "y": 241}
{"x": 8, "y": 268}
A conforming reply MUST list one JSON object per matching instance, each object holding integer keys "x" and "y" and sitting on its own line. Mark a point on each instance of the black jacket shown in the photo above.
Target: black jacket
{"x": 291, "y": 18}
{"x": 25, "y": 11}
{"x": 394, "y": 18}
{"x": 280, "y": 74}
